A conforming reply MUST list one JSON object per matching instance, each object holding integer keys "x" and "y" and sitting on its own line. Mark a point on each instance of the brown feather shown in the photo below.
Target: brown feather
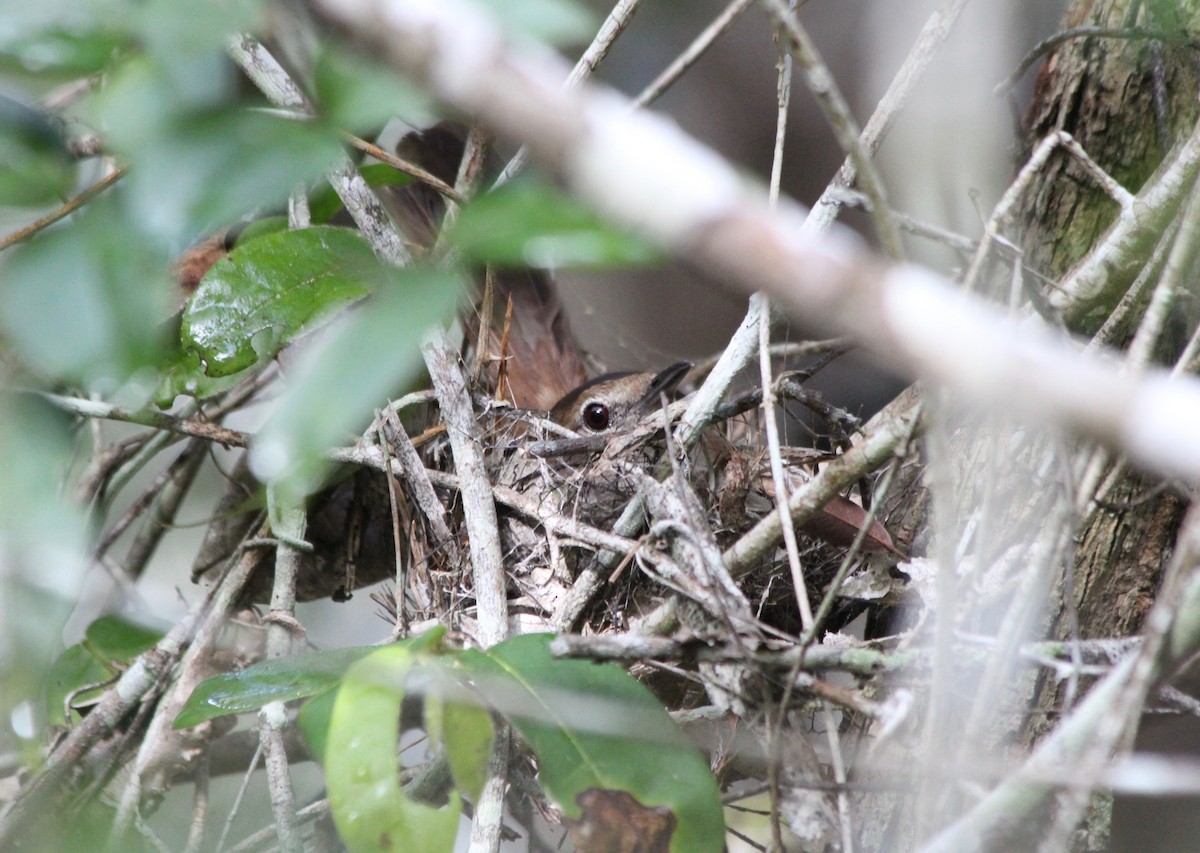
{"x": 542, "y": 360}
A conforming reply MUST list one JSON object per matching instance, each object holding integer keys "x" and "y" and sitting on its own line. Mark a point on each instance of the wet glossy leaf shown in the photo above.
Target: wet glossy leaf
{"x": 594, "y": 727}
{"x": 275, "y": 288}
{"x": 276, "y": 680}
{"x": 528, "y": 223}
{"x": 183, "y": 373}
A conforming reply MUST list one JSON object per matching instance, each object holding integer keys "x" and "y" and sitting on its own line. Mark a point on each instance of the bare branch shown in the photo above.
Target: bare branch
{"x": 650, "y": 176}
{"x": 483, "y": 531}
{"x": 931, "y": 38}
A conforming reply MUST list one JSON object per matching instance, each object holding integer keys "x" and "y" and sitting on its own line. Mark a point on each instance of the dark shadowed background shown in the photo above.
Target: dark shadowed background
{"x": 953, "y": 141}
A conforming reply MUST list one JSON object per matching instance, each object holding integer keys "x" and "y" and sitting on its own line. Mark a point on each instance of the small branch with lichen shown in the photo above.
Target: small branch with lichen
{"x": 149, "y": 418}
{"x": 67, "y": 208}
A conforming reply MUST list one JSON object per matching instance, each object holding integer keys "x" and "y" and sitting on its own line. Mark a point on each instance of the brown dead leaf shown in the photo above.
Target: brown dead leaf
{"x": 839, "y": 521}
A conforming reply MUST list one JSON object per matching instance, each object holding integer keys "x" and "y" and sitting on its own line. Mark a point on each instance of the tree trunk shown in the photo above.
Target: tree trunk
{"x": 1126, "y": 101}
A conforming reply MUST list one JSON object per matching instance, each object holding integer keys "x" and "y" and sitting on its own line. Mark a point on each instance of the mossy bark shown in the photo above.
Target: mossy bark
{"x": 1126, "y": 100}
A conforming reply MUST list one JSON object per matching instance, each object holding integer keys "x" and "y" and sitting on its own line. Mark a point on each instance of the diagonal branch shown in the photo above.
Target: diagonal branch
{"x": 650, "y": 176}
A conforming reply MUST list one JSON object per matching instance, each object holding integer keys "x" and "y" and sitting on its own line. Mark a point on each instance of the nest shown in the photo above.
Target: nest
{"x": 626, "y": 531}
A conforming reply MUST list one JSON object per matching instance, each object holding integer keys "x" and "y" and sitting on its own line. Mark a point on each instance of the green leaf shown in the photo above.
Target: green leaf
{"x": 236, "y": 161}
{"x": 36, "y": 446}
{"x": 199, "y": 158}
{"x": 86, "y": 299}
{"x": 35, "y": 167}
{"x": 174, "y": 31}
{"x": 593, "y": 726}
{"x": 261, "y": 228}
{"x": 23, "y": 18}
{"x": 276, "y": 680}
{"x": 553, "y": 21}
{"x": 325, "y": 203}
{"x": 183, "y": 373}
{"x": 62, "y": 52}
{"x": 362, "y": 96}
{"x": 113, "y": 639}
{"x": 35, "y": 617}
{"x": 76, "y": 667}
{"x": 466, "y": 733}
{"x": 314, "y": 719}
{"x": 317, "y": 713}
{"x": 108, "y": 640}
{"x": 282, "y": 284}
{"x": 371, "y": 355}
{"x": 44, "y": 539}
{"x": 528, "y": 223}
{"x": 369, "y": 807}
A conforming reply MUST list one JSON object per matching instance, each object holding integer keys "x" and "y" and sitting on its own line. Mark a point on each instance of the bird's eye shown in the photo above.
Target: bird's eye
{"x": 596, "y": 416}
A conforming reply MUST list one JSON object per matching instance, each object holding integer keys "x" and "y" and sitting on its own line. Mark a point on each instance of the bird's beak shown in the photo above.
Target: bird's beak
{"x": 664, "y": 382}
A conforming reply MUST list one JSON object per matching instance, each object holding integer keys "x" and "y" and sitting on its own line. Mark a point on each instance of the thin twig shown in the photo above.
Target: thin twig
{"x": 177, "y": 471}
{"x": 932, "y": 36}
{"x": 417, "y": 478}
{"x": 68, "y": 207}
{"x": 1121, "y": 255}
{"x": 487, "y": 561}
{"x": 180, "y": 476}
{"x": 288, "y": 524}
{"x": 1104, "y": 721}
{"x": 402, "y": 165}
{"x": 195, "y": 839}
{"x": 1062, "y": 37}
{"x": 614, "y": 24}
{"x": 479, "y": 508}
{"x": 845, "y": 129}
{"x": 770, "y": 420}
{"x": 916, "y": 319}
{"x": 1020, "y": 186}
{"x": 691, "y": 53}
{"x": 235, "y": 806}
{"x": 358, "y": 198}
{"x": 146, "y": 417}
{"x": 881, "y": 437}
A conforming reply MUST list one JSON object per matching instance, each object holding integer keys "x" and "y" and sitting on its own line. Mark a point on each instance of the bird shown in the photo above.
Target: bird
{"x": 589, "y": 477}
{"x": 592, "y": 475}
{"x": 532, "y": 362}
{"x": 615, "y": 401}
